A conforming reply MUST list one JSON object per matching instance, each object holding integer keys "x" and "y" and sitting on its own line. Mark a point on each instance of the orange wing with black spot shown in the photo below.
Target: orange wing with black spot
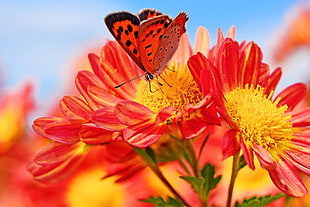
{"x": 124, "y": 26}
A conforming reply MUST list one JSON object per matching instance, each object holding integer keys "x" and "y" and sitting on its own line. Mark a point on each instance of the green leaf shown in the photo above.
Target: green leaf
{"x": 208, "y": 172}
{"x": 259, "y": 201}
{"x": 160, "y": 202}
{"x": 204, "y": 184}
{"x": 196, "y": 183}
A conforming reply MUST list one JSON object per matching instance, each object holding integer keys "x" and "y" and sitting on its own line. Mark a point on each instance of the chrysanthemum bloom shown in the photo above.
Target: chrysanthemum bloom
{"x": 258, "y": 122}
{"x": 296, "y": 33}
{"x": 14, "y": 109}
{"x": 131, "y": 113}
{"x": 141, "y": 115}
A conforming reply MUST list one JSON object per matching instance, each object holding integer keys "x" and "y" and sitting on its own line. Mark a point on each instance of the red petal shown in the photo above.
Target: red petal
{"x": 195, "y": 65}
{"x": 230, "y": 144}
{"x": 250, "y": 61}
{"x": 102, "y": 97}
{"x": 300, "y": 159}
{"x": 164, "y": 114}
{"x": 143, "y": 135}
{"x": 83, "y": 80}
{"x": 301, "y": 117}
{"x": 75, "y": 108}
{"x": 56, "y": 162}
{"x": 287, "y": 180}
{"x": 94, "y": 62}
{"x": 130, "y": 112}
{"x": 292, "y": 95}
{"x": 248, "y": 154}
{"x": 64, "y": 132}
{"x": 199, "y": 117}
{"x": 106, "y": 119}
{"x": 94, "y": 135}
{"x": 264, "y": 157}
{"x": 271, "y": 83}
{"x": 228, "y": 63}
{"x": 40, "y": 124}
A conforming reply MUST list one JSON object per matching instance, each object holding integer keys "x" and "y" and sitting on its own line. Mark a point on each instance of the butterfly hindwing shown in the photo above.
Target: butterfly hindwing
{"x": 150, "y": 33}
{"x": 144, "y": 14}
{"x": 169, "y": 42}
{"x": 124, "y": 26}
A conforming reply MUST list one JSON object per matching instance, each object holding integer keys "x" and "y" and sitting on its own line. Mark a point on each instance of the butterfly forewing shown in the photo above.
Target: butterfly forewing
{"x": 169, "y": 42}
{"x": 124, "y": 26}
{"x": 150, "y": 33}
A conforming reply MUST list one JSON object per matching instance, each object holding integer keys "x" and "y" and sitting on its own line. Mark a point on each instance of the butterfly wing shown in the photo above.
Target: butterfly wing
{"x": 144, "y": 14}
{"x": 150, "y": 34}
{"x": 124, "y": 26}
{"x": 169, "y": 42}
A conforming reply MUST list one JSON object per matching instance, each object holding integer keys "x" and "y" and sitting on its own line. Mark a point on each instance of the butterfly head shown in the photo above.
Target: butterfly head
{"x": 149, "y": 76}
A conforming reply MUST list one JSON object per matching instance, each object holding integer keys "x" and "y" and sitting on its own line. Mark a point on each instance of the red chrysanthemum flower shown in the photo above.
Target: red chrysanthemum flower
{"x": 258, "y": 123}
{"x": 131, "y": 113}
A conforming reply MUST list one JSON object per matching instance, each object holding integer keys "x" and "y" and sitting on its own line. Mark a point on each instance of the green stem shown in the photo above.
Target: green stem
{"x": 184, "y": 166}
{"x": 234, "y": 172}
{"x": 168, "y": 185}
{"x": 195, "y": 167}
{"x": 150, "y": 159}
{"x": 192, "y": 157}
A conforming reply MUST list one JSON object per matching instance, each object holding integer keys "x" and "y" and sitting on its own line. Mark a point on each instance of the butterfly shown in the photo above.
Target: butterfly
{"x": 150, "y": 38}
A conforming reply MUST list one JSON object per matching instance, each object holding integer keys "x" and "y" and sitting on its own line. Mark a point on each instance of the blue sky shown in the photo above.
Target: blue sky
{"x": 41, "y": 39}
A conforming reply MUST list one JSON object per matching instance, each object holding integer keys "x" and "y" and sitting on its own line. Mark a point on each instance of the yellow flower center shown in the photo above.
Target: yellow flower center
{"x": 175, "y": 88}
{"x": 260, "y": 120}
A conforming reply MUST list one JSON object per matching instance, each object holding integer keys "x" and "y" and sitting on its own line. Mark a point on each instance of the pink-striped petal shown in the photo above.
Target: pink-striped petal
{"x": 64, "y": 132}
{"x": 143, "y": 135}
{"x": 130, "y": 112}
{"x": 105, "y": 118}
{"x": 90, "y": 134}
{"x": 287, "y": 180}
{"x": 56, "y": 162}
{"x": 264, "y": 157}
{"x": 75, "y": 108}
{"x": 301, "y": 118}
{"x": 40, "y": 124}
{"x": 102, "y": 97}
{"x": 83, "y": 80}
{"x": 248, "y": 154}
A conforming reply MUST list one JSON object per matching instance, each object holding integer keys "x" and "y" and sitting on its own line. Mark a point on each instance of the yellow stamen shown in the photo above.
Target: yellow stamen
{"x": 178, "y": 89}
{"x": 260, "y": 120}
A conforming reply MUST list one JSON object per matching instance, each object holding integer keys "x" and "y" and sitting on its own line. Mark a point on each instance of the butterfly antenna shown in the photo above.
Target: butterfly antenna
{"x": 128, "y": 81}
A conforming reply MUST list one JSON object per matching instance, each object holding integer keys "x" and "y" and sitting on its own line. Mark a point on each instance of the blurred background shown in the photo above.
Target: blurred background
{"x": 44, "y": 43}
{"x": 42, "y": 40}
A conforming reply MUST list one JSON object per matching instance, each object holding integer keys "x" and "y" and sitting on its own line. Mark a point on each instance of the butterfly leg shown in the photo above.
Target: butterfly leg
{"x": 164, "y": 81}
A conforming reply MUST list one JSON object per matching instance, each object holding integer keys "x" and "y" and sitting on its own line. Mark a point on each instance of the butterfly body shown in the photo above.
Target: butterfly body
{"x": 149, "y": 38}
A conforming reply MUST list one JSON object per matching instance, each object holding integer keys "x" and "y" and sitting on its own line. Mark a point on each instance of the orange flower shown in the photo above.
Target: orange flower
{"x": 259, "y": 123}
{"x": 14, "y": 109}
{"x": 131, "y": 113}
{"x": 296, "y": 34}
